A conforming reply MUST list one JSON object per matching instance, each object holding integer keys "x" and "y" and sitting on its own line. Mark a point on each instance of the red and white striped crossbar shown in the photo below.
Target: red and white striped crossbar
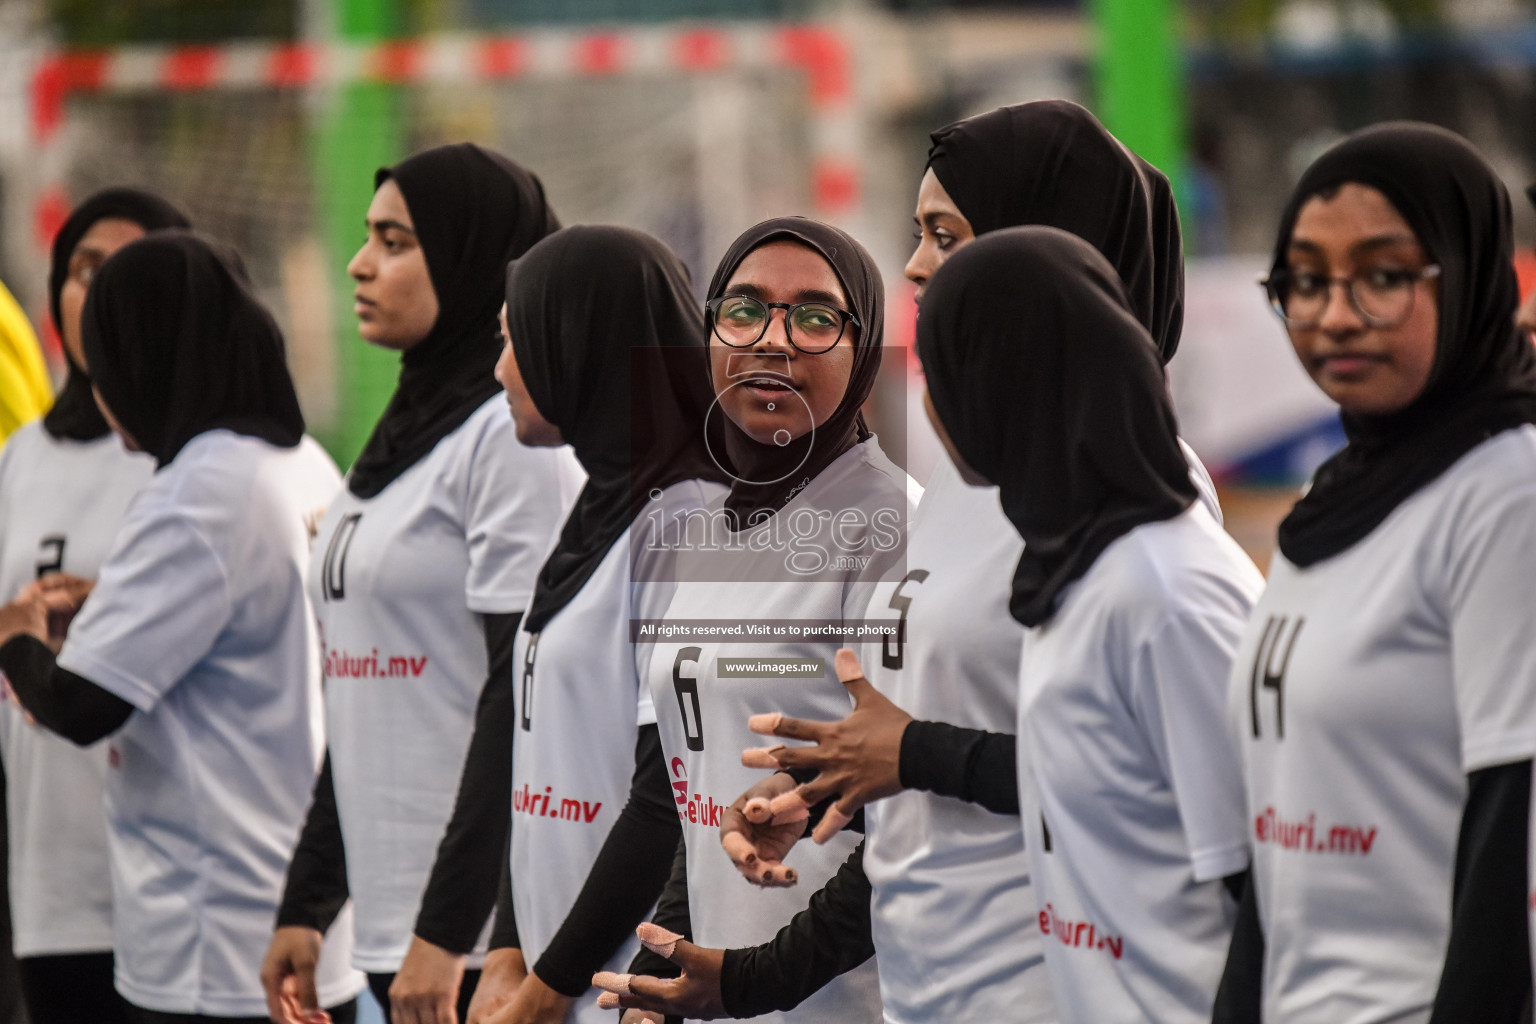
{"x": 818, "y": 51}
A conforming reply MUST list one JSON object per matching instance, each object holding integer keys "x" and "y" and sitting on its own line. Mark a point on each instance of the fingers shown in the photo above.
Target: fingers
{"x": 833, "y": 822}
{"x": 277, "y": 1000}
{"x": 303, "y": 978}
{"x": 612, "y": 981}
{"x": 656, "y": 994}
{"x": 847, "y": 664}
{"x": 851, "y": 673}
{"x": 740, "y": 849}
{"x": 619, "y": 990}
{"x": 658, "y": 939}
{"x": 758, "y": 810}
{"x": 776, "y": 724}
{"x": 822, "y": 787}
{"x": 789, "y": 807}
{"x": 291, "y": 1012}
{"x": 761, "y": 757}
{"x": 770, "y": 874}
{"x": 776, "y": 876}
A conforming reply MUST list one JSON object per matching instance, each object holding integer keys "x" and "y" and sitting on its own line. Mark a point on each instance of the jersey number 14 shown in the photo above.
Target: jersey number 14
{"x": 1268, "y": 673}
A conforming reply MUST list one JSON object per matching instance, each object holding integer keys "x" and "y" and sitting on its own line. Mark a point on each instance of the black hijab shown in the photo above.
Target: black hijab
{"x": 606, "y": 333}
{"x": 474, "y": 210}
{"x": 1483, "y": 379}
{"x": 74, "y": 415}
{"x": 768, "y": 476}
{"x": 1053, "y": 392}
{"x": 1051, "y": 162}
{"x": 178, "y": 344}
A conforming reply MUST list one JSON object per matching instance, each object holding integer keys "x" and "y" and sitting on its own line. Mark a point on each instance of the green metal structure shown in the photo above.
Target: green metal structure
{"x": 1139, "y": 82}
{"x": 357, "y": 132}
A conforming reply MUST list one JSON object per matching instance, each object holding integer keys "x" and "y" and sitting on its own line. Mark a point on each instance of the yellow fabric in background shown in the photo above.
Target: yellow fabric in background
{"x": 25, "y": 391}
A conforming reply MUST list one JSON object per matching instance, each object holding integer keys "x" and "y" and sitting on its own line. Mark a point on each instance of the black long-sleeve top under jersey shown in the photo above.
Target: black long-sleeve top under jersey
{"x": 57, "y": 699}
{"x": 1486, "y": 976}
{"x": 461, "y": 889}
{"x": 623, "y": 884}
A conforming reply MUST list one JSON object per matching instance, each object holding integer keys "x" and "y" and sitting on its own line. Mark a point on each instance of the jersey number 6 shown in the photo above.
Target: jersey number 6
{"x": 899, "y": 604}
{"x": 687, "y": 688}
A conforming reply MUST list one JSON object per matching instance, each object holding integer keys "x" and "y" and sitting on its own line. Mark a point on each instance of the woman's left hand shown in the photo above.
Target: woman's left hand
{"x": 859, "y": 758}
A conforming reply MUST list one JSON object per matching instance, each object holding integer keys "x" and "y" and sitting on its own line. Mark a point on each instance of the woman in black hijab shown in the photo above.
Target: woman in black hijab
{"x": 1052, "y": 393}
{"x": 827, "y": 419}
{"x": 603, "y": 354}
{"x": 78, "y": 250}
{"x": 65, "y": 483}
{"x": 790, "y": 386}
{"x": 195, "y": 648}
{"x": 429, "y": 554}
{"x": 1396, "y": 622}
{"x": 1052, "y": 162}
{"x": 157, "y": 382}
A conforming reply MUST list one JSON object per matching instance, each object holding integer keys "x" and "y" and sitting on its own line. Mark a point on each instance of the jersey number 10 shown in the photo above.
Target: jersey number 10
{"x": 527, "y": 695}
{"x": 333, "y": 571}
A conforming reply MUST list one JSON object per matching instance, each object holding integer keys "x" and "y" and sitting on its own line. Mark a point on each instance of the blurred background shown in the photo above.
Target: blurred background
{"x": 694, "y": 118}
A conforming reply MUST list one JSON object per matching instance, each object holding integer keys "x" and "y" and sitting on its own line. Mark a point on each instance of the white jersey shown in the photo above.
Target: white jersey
{"x": 399, "y": 582}
{"x": 581, "y": 695}
{"x": 61, "y": 502}
{"x": 702, "y": 714}
{"x": 199, "y": 621}
{"x": 952, "y": 912}
{"x": 1367, "y": 687}
{"x": 1128, "y": 781}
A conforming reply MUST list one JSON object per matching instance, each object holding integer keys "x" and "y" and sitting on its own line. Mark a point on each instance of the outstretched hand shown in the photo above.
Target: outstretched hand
{"x": 695, "y": 995}
{"x": 858, "y": 758}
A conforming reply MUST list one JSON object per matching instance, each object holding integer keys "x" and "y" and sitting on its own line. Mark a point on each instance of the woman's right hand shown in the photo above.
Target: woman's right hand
{"x": 61, "y": 594}
{"x": 288, "y": 976}
{"x": 500, "y": 978}
{"x": 757, "y": 840}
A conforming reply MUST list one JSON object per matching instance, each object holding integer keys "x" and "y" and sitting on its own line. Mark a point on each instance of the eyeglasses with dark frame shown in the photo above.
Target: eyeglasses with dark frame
{"x": 740, "y": 321}
{"x": 1383, "y": 297}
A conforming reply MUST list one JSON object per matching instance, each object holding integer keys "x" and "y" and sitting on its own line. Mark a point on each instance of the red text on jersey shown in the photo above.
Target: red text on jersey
{"x": 1079, "y": 934}
{"x": 1303, "y": 834}
{"x": 546, "y": 805}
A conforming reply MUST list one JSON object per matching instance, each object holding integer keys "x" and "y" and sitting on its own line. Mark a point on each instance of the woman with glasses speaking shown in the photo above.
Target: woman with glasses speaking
{"x": 1384, "y": 693}
{"x": 816, "y": 517}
